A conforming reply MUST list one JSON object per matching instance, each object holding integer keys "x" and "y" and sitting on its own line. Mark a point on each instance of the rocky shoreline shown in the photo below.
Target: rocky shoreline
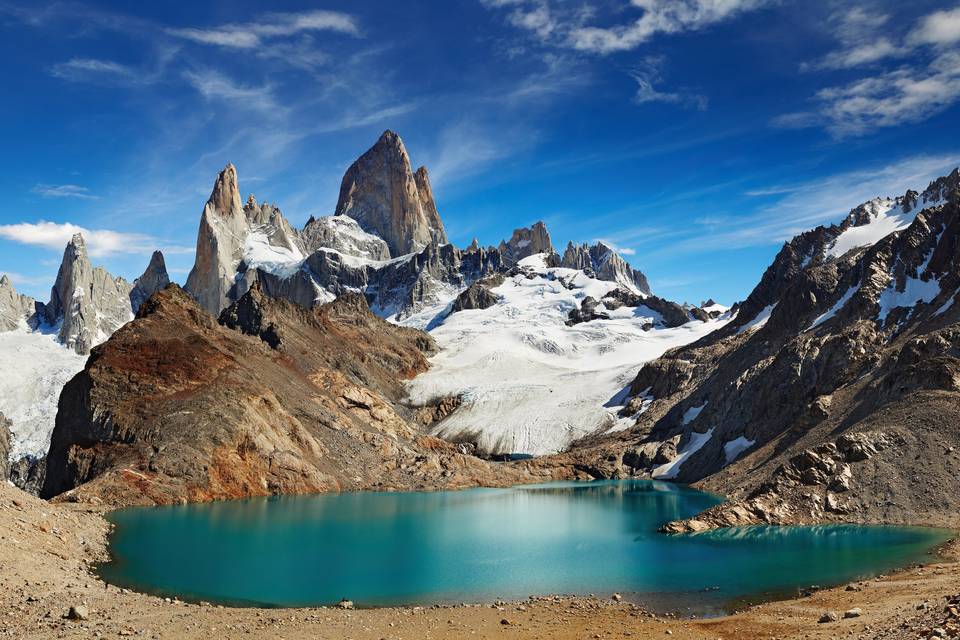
{"x": 49, "y": 589}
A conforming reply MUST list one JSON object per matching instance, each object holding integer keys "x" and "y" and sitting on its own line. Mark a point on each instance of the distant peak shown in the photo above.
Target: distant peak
{"x": 77, "y": 240}
{"x": 5, "y": 281}
{"x": 225, "y": 196}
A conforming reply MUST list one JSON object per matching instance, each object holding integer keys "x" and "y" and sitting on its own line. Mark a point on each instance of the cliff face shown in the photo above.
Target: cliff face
{"x": 223, "y": 231}
{"x": 383, "y": 194}
{"x": 176, "y": 406}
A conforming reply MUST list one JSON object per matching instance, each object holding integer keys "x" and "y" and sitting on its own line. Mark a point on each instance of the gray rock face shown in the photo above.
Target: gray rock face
{"x": 154, "y": 279}
{"x": 383, "y": 194}
{"x": 87, "y": 302}
{"x": 606, "y": 264}
{"x": 526, "y": 242}
{"x": 15, "y": 308}
{"x": 224, "y": 228}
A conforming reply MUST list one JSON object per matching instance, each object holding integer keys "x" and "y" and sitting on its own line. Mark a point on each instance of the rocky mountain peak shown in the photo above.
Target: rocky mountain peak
{"x": 525, "y": 242}
{"x": 604, "y": 261}
{"x": 384, "y": 195}
{"x": 87, "y": 302}
{"x": 154, "y": 279}
{"x": 224, "y": 228}
{"x": 225, "y": 197}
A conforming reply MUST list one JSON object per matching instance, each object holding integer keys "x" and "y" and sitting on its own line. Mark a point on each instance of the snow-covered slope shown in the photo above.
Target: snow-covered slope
{"x": 529, "y": 383}
{"x": 35, "y": 367}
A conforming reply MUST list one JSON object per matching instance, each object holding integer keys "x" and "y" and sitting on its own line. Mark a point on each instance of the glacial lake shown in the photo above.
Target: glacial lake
{"x": 479, "y": 545}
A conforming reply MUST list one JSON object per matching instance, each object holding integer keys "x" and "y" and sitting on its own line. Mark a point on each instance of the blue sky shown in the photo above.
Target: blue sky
{"x": 695, "y": 135}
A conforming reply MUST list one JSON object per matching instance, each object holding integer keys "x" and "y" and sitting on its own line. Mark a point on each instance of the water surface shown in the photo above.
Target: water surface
{"x": 479, "y": 545}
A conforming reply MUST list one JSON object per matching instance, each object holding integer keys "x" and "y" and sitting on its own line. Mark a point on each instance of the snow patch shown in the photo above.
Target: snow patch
{"x": 671, "y": 469}
{"x": 280, "y": 261}
{"x": 915, "y": 291}
{"x": 839, "y": 304}
{"x": 758, "y": 321}
{"x": 735, "y": 448}
{"x": 886, "y": 218}
{"x": 691, "y": 414}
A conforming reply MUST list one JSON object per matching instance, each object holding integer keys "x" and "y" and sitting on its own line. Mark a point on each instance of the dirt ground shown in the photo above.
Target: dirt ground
{"x": 46, "y": 551}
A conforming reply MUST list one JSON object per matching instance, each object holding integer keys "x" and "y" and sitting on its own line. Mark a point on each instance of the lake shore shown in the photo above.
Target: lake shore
{"x": 47, "y": 552}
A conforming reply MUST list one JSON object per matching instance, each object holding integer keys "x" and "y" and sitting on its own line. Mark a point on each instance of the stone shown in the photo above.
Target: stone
{"x": 828, "y": 616}
{"x": 856, "y": 612}
{"x": 345, "y": 604}
{"x": 78, "y": 612}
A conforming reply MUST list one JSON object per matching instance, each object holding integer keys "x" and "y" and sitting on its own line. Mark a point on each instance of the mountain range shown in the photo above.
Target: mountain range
{"x": 366, "y": 351}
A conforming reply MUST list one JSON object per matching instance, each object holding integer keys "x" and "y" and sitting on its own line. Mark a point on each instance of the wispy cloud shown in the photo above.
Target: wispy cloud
{"x": 100, "y": 242}
{"x": 275, "y": 25}
{"x": 215, "y": 85}
{"x": 63, "y": 191}
{"x": 647, "y": 74}
{"x": 864, "y": 38}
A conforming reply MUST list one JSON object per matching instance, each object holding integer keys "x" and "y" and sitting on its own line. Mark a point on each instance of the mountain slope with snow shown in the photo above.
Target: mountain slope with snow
{"x": 527, "y": 381}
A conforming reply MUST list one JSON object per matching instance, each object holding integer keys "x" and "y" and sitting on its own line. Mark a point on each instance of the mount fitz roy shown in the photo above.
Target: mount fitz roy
{"x": 364, "y": 351}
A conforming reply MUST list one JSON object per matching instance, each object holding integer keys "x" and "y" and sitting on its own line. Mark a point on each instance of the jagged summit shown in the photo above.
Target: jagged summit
{"x": 383, "y": 194}
{"x": 154, "y": 279}
{"x": 525, "y": 242}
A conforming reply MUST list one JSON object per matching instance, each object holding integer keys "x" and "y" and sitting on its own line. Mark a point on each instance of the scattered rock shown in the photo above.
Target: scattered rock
{"x": 856, "y": 612}
{"x": 78, "y": 612}
{"x": 828, "y": 616}
{"x": 345, "y": 604}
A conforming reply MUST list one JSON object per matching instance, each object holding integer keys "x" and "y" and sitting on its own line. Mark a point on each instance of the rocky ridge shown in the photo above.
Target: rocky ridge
{"x": 840, "y": 367}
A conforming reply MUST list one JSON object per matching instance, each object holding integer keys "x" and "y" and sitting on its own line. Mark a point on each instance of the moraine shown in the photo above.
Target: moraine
{"x": 383, "y": 549}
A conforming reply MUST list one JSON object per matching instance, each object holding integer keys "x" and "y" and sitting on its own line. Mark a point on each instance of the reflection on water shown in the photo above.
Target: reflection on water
{"x": 405, "y": 548}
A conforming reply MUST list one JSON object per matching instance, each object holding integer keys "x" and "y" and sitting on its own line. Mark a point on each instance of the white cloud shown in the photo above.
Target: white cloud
{"x": 63, "y": 191}
{"x": 100, "y": 242}
{"x": 274, "y": 25}
{"x": 938, "y": 28}
{"x": 904, "y": 95}
{"x": 659, "y": 17}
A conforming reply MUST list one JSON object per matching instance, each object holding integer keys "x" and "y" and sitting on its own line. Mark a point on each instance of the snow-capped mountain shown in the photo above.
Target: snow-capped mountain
{"x": 517, "y": 323}
{"x": 837, "y": 383}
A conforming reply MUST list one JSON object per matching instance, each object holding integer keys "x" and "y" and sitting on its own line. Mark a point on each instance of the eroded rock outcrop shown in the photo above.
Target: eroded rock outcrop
{"x": 176, "y": 406}
{"x": 384, "y": 195}
{"x": 4, "y": 448}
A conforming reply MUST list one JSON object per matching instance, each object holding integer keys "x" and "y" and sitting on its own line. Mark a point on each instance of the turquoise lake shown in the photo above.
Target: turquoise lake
{"x": 382, "y": 549}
